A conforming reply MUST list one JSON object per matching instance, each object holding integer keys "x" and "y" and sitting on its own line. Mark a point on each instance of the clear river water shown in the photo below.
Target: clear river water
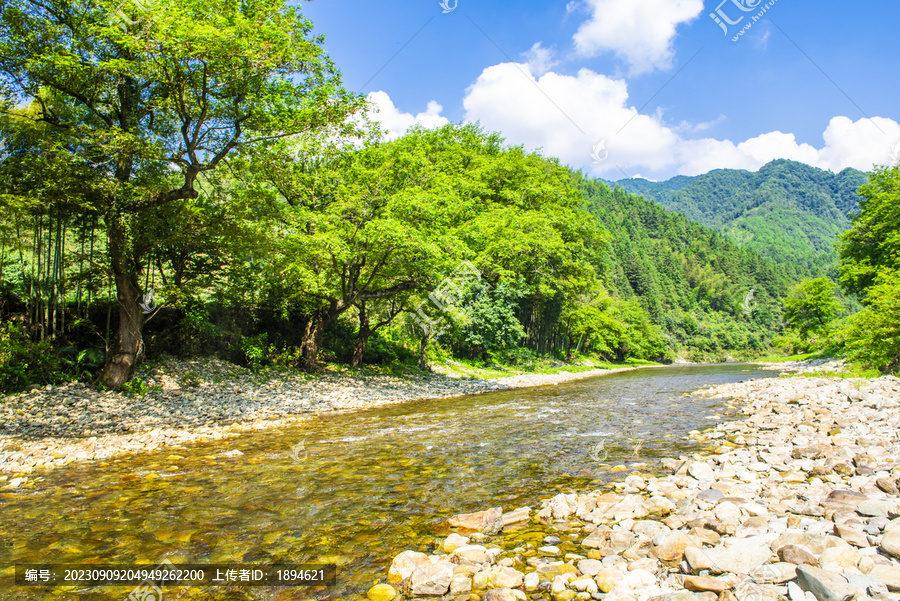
{"x": 352, "y": 489}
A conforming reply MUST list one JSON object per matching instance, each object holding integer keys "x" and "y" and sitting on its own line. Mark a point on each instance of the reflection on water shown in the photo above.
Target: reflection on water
{"x": 354, "y": 489}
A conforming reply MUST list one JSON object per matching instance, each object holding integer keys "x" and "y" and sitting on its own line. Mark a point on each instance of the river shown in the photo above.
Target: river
{"x": 356, "y": 488}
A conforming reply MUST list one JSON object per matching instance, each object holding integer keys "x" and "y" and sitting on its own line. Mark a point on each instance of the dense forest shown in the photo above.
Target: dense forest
{"x": 709, "y": 295}
{"x": 787, "y": 211}
{"x": 217, "y": 191}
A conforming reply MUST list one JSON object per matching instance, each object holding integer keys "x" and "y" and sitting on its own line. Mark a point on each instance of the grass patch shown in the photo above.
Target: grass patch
{"x": 825, "y": 354}
{"x": 470, "y": 369}
{"x": 850, "y": 371}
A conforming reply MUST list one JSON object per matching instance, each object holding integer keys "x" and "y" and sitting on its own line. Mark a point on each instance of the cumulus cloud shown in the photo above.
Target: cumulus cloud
{"x": 395, "y": 122}
{"x": 567, "y": 116}
{"x": 640, "y": 33}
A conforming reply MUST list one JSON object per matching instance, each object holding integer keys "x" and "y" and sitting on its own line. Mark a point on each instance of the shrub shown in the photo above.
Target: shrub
{"x": 24, "y": 363}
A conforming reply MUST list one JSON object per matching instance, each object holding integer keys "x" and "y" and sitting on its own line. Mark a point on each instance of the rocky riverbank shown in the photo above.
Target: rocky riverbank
{"x": 798, "y": 501}
{"x": 199, "y": 400}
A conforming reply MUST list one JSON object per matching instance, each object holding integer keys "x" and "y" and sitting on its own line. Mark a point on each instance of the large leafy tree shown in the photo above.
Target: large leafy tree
{"x": 347, "y": 227}
{"x": 812, "y": 306}
{"x": 873, "y": 335}
{"x": 152, "y": 100}
{"x": 870, "y": 267}
{"x": 872, "y": 245}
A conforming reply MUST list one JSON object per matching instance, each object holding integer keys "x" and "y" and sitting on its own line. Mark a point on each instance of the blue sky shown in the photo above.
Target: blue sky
{"x": 651, "y": 88}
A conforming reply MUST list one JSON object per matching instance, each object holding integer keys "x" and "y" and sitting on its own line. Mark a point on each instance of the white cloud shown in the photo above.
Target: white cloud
{"x": 540, "y": 59}
{"x": 568, "y": 115}
{"x": 685, "y": 126}
{"x": 397, "y": 123}
{"x": 640, "y": 32}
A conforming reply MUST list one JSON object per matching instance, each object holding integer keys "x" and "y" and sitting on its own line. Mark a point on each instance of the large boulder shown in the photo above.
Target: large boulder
{"x": 825, "y": 585}
{"x": 502, "y": 594}
{"x": 701, "y": 471}
{"x": 516, "y": 516}
{"x": 471, "y": 554}
{"x": 741, "y": 558}
{"x": 504, "y": 577}
{"x": 489, "y": 521}
{"x": 890, "y": 543}
{"x": 560, "y": 507}
{"x": 889, "y": 575}
{"x": 406, "y": 563}
{"x": 431, "y": 581}
{"x": 812, "y": 543}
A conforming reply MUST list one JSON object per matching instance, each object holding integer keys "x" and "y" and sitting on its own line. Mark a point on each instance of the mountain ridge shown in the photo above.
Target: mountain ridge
{"x": 787, "y": 211}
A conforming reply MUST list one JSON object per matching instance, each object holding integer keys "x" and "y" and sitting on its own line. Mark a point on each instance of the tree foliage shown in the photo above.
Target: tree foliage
{"x": 812, "y": 306}
{"x": 870, "y": 267}
{"x": 872, "y": 245}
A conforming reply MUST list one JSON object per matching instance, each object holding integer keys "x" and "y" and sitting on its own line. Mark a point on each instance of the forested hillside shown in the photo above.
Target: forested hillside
{"x": 788, "y": 211}
{"x": 709, "y": 294}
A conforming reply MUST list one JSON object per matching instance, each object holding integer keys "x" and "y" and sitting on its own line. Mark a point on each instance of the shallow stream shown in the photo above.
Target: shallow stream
{"x": 354, "y": 489}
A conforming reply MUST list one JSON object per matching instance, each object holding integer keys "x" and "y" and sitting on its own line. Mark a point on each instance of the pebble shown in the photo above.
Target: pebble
{"x": 801, "y": 503}
{"x": 205, "y": 399}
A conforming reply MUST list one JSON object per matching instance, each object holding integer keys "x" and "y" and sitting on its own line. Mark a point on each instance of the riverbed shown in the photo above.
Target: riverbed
{"x": 353, "y": 489}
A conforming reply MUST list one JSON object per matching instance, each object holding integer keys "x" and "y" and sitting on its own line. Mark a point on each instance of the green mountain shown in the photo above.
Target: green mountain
{"x": 709, "y": 295}
{"x": 787, "y": 211}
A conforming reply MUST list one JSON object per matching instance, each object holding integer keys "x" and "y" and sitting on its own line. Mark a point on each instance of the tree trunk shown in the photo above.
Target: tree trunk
{"x": 423, "y": 346}
{"x": 120, "y": 363}
{"x": 312, "y": 341}
{"x": 359, "y": 348}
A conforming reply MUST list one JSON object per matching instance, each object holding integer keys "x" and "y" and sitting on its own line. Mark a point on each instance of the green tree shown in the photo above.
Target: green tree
{"x": 872, "y": 244}
{"x": 812, "y": 306}
{"x": 870, "y": 268}
{"x": 338, "y": 227}
{"x": 156, "y": 107}
{"x": 873, "y": 335}
{"x": 490, "y": 324}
